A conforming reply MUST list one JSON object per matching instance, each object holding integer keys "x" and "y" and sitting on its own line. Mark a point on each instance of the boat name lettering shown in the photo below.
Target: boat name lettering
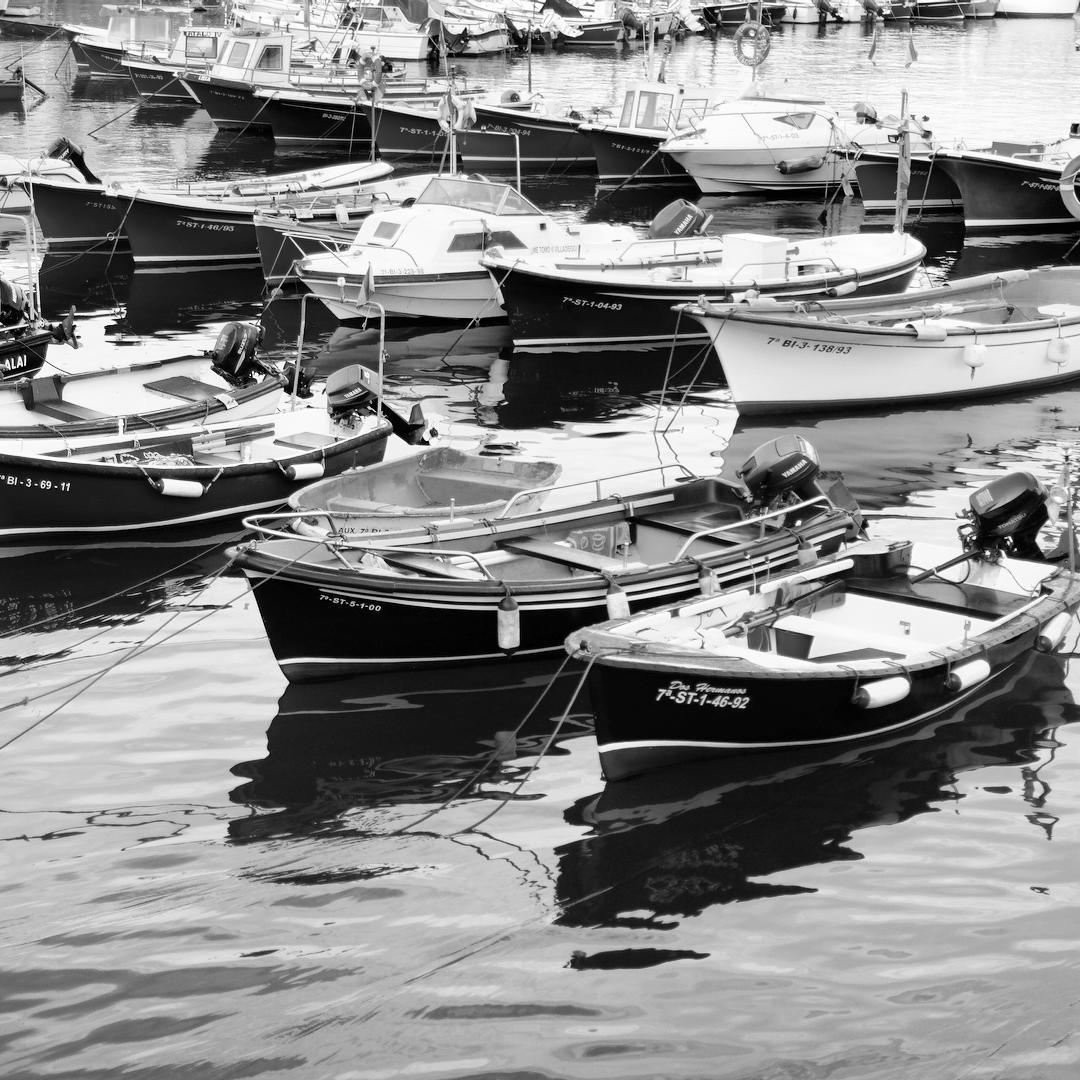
{"x": 631, "y": 149}
{"x": 415, "y": 131}
{"x": 206, "y": 225}
{"x": 813, "y": 346}
{"x": 716, "y": 697}
{"x": 93, "y": 204}
{"x": 14, "y": 363}
{"x": 40, "y": 485}
{"x": 499, "y": 129}
{"x": 554, "y": 249}
{"x": 602, "y": 305}
{"x": 348, "y": 601}
{"x": 1037, "y": 186}
{"x": 333, "y": 116}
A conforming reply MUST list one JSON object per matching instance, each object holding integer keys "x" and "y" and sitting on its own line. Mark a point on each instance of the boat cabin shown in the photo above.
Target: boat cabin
{"x": 657, "y": 106}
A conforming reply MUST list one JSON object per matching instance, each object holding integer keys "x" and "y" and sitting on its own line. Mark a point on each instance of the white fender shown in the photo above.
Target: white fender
{"x": 305, "y": 470}
{"x": 974, "y": 355}
{"x": 1059, "y": 351}
{"x": 1050, "y": 636}
{"x": 879, "y": 692}
{"x": 183, "y": 489}
{"x": 618, "y": 606}
{"x": 965, "y": 676}
{"x": 509, "y": 624}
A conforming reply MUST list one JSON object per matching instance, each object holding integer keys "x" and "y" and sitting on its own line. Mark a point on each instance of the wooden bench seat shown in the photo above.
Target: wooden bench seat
{"x": 67, "y": 411}
{"x": 305, "y": 440}
{"x": 188, "y": 389}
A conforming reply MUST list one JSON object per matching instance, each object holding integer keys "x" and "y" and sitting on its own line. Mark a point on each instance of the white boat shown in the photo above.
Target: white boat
{"x": 779, "y": 145}
{"x": 444, "y": 485}
{"x": 423, "y": 261}
{"x": 1037, "y": 9}
{"x": 974, "y": 337}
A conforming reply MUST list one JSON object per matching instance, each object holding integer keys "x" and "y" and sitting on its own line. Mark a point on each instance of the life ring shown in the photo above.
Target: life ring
{"x": 751, "y": 44}
{"x": 459, "y": 114}
{"x": 1067, "y": 187}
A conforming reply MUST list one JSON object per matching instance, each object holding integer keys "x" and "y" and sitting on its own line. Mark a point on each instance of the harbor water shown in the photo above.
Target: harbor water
{"x": 209, "y": 873}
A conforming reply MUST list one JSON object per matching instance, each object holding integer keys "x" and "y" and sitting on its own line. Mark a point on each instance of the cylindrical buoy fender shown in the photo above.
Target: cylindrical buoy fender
{"x": 800, "y": 165}
{"x": 1059, "y": 351}
{"x": 182, "y": 489}
{"x": 974, "y": 355}
{"x": 305, "y": 470}
{"x": 1051, "y": 635}
{"x": 618, "y": 604}
{"x": 509, "y": 624}
{"x": 966, "y": 675}
{"x": 881, "y": 692}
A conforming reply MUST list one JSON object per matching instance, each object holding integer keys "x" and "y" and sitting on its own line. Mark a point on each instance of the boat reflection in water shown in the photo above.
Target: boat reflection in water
{"x": 376, "y": 741}
{"x": 667, "y": 845}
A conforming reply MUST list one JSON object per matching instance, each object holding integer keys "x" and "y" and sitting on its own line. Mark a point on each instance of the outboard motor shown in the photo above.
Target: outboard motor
{"x": 14, "y": 303}
{"x": 1006, "y": 515}
{"x": 66, "y": 150}
{"x": 234, "y": 356}
{"x": 680, "y": 218}
{"x": 785, "y": 465}
{"x": 350, "y": 388}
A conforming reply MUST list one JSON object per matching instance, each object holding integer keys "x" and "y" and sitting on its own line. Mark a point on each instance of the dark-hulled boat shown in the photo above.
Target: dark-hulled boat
{"x": 544, "y": 142}
{"x": 930, "y": 187}
{"x": 452, "y": 593}
{"x": 872, "y": 639}
{"x": 192, "y": 474}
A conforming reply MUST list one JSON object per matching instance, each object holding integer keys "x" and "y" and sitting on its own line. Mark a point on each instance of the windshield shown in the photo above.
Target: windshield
{"x": 475, "y": 195}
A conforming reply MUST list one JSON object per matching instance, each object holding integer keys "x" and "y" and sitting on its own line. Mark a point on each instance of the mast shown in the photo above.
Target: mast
{"x": 903, "y": 165}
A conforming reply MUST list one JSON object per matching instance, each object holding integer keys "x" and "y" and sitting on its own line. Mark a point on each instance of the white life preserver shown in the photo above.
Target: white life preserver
{"x": 1067, "y": 187}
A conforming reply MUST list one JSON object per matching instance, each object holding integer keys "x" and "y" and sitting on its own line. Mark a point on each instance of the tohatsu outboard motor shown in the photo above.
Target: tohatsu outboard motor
{"x": 1006, "y": 516}
{"x": 787, "y": 465}
{"x": 234, "y": 354}
{"x": 65, "y": 150}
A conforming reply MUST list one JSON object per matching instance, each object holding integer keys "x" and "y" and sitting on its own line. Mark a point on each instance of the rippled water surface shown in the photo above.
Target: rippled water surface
{"x": 207, "y": 873}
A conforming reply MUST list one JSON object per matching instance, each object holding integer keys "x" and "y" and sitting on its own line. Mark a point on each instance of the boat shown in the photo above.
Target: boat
{"x": 869, "y": 640}
{"x": 65, "y": 404}
{"x": 99, "y": 50}
{"x": 1037, "y": 9}
{"x": 601, "y": 299}
{"x": 627, "y": 150}
{"x": 779, "y": 145}
{"x": 441, "y": 484}
{"x": 936, "y": 11}
{"x": 1014, "y": 185}
{"x": 929, "y": 187}
{"x": 62, "y": 162}
{"x": 95, "y": 214}
{"x": 988, "y": 335}
{"x": 158, "y": 77}
{"x": 284, "y": 236}
{"x": 168, "y": 229}
{"x": 424, "y": 260}
{"x": 737, "y": 12}
{"x": 514, "y": 587}
{"x": 25, "y": 337}
{"x": 195, "y": 473}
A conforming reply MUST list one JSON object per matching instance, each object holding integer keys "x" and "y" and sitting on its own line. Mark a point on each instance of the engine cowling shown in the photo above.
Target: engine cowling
{"x": 1008, "y": 513}
{"x": 679, "y": 218}
{"x": 234, "y": 353}
{"x": 788, "y": 464}
{"x": 349, "y": 388}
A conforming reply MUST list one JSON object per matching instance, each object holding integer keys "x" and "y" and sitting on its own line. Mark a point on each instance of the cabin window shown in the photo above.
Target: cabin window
{"x": 627, "y": 118}
{"x": 653, "y": 110}
{"x": 200, "y": 48}
{"x": 386, "y": 230}
{"x": 473, "y": 241}
{"x": 692, "y": 109}
{"x": 271, "y": 59}
{"x": 800, "y": 120}
{"x": 238, "y": 54}
{"x": 504, "y": 239}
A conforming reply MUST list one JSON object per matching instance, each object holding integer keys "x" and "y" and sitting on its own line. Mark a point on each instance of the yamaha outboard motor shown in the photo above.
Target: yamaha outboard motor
{"x": 680, "y": 218}
{"x": 1006, "y": 515}
{"x": 785, "y": 465}
{"x": 233, "y": 354}
{"x": 350, "y": 388}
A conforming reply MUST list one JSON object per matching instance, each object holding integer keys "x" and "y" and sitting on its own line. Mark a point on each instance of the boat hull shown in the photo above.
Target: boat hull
{"x": 550, "y": 312}
{"x": 1000, "y": 192}
{"x": 294, "y": 121}
{"x": 673, "y": 714}
{"x": 22, "y": 354}
{"x": 629, "y": 157}
{"x": 101, "y": 60}
{"x": 56, "y": 496}
{"x": 232, "y": 106}
{"x": 79, "y": 216}
{"x": 159, "y": 84}
{"x": 545, "y": 142}
{"x": 325, "y": 625}
{"x": 930, "y": 187}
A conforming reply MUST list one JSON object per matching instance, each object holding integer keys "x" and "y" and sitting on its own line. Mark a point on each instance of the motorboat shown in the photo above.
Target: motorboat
{"x": 512, "y": 587}
{"x": 993, "y": 334}
{"x": 874, "y": 638}
{"x": 423, "y": 260}
{"x": 780, "y": 145}
{"x": 62, "y": 162}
